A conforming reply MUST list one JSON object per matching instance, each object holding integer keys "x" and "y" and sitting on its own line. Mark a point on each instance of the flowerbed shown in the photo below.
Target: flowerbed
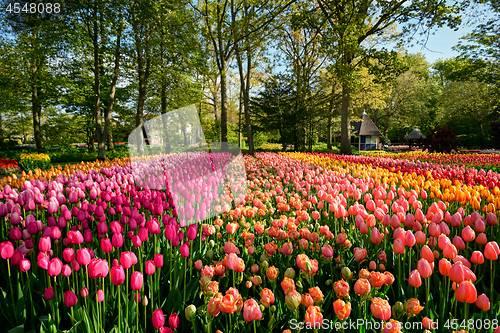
{"x": 318, "y": 237}
{"x": 8, "y": 166}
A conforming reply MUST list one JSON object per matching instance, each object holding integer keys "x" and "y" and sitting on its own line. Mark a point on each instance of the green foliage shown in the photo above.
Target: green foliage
{"x": 259, "y": 139}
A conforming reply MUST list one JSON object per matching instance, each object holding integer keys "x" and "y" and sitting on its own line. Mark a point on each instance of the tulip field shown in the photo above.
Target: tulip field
{"x": 321, "y": 242}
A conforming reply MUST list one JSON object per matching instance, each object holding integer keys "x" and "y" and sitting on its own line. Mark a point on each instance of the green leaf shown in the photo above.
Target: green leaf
{"x": 18, "y": 329}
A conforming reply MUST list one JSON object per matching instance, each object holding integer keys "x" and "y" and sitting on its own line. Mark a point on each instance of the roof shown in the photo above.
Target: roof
{"x": 415, "y": 135}
{"x": 368, "y": 127}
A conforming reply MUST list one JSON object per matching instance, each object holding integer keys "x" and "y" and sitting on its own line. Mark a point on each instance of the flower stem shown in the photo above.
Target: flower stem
{"x": 119, "y": 310}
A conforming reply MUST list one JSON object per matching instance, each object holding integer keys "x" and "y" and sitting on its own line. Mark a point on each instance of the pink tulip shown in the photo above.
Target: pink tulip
{"x": 136, "y": 280}
{"x": 6, "y": 250}
{"x": 55, "y": 267}
{"x": 117, "y": 275}
{"x": 150, "y": 267}
{"x": 83, "y": 256}
{"x": 184, "y": 250}
{"x": 251, "y": 310}
{"x": 44, "y": 244}
{"x": 158, "y": 259}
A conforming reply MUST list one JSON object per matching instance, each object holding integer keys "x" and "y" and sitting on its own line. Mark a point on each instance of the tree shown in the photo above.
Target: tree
{"x": 353, "y": 22}
{"x": 219, "y": 17}
{"x": 103, "y": 23}
{"x": 273, "y": 109}
{"x": 37, "y": 44}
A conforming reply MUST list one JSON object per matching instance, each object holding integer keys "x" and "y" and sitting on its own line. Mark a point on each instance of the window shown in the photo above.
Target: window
{"x": 368, "y": 142}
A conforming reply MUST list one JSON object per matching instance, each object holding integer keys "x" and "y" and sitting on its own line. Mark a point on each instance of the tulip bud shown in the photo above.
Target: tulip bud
{"x": 145, "y": 301}
{"x": 265, "y": 265}
{"x": 190, "y": 312}
{"x": 290, "y": 273}
{"x": 398, "y": 307}
{"x": 346, "y": 273}
{"x": 328, "y": 282}
{"x": 273, "y": 308}
{"x": 210, "y": 254}
{"x": 211, "y": 243}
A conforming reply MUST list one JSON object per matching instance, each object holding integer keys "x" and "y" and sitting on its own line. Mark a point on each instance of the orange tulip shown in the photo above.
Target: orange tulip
{"x": 306, "y": 300}
{"x": 228, "y": 304}
{"x": 380, "y": 309}
{"x": 316, "y": 295}
{"x": 466, "y": 292}
{"x": 313, "y": 318}
{"x": 491, "y": 251}
{"x": 413, "y": 307}
{"x": 342, "y": 309}
{"x": 362, "y": 286}
{"x": 483, "y": 302}
{"x": 267, "y": 297}
{"x": 392, "y": 326}
{"x": 287, "y": 285}
{"x": 341, "y": 288}
{"x": 272, "y": 273}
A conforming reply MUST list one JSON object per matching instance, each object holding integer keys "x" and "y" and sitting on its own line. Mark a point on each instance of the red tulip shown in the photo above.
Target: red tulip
{"x": 98, "y": 268}
{"x": 84, "y": 292}
{"x": 127, "y": 259}
{"x": 48, "y": 294}
{"x": 70, "y": 299}
{"x": 158, "y": 318}
{"x": 184, "y": 250}
{"x": 173, "y": 321}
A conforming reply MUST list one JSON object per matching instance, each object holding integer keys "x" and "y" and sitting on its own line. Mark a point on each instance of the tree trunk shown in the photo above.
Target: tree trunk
{"x": 36, "y": 108}
{"x": 223, "y": 100}
{"x": 239, "y": 116}
{"x": 245, "y": 87}
{"x": 97, "y": 86}
{"x": 111, "y": 145}
{"x": 107, "y": 131}
{"x": 330, "y": 118}
{"x": 345, "y": 139}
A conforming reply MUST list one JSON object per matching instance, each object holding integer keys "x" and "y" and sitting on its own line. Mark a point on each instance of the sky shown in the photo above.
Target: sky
{"x": 439, "y": 45}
